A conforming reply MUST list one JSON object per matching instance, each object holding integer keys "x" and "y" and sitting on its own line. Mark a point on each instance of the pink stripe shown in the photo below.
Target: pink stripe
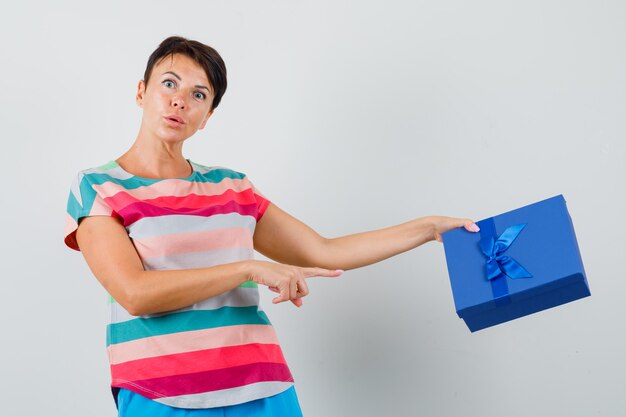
{"x": 191, "y": 341}
{"x": 166, "y": 245}
{"x": 174, "y": 187}
{"x": 208, "y": 381}
{"x": 198, "y": 361}
{"x": 138, "y": 211}
{"x": 122, "y": 199}
{"x": 100, "y": 208}
{"x": 70, "y": 232}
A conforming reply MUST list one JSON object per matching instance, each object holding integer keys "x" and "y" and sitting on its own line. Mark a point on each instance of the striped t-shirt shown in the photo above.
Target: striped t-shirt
{"x": 220, "y": 351}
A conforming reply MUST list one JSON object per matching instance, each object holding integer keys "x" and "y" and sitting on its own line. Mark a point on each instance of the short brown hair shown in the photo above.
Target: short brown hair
{"x": 204, "y": 55}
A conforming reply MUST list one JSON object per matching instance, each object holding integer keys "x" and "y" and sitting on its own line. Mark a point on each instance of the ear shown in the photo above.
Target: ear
{"x": 141, "y": 89}
{"x": 205, "y": 119}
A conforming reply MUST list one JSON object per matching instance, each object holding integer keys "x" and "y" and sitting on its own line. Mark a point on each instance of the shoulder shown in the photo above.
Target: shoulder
{"x": 88, "y": 183}
{"x": 98, "y": 173}
{"x": 104, "y": 168}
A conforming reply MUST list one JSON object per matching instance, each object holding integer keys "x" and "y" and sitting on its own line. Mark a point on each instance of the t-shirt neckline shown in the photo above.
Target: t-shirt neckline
{"x": 193, "y": 172}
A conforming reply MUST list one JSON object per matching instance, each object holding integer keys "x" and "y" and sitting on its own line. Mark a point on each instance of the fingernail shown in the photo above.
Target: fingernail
{"x": 475, "y": 227}
{"x": 340, "y": 270}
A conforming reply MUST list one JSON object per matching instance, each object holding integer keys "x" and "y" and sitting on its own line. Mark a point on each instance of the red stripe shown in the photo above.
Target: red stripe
{"x": 197, "y": 361}
{"x": 263, "y": 204}
{"x": 138, "y": 211}
{"x": 122, "y": 199}
{"x": 208, "y": 381}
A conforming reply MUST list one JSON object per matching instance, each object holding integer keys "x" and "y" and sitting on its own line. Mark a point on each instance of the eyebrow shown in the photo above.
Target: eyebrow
{"x": 180, "y": 79}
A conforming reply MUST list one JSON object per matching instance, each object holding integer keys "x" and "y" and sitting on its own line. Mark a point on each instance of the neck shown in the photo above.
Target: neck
{"x": 155, "y": 159}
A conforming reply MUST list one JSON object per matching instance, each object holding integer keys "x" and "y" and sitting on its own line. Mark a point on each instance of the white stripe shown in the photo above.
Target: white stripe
{"x": 204, "y": 169}
{"x": 183, "y": 223}
{"x": 192, "y": 260}
{"x": 226, "y": 397}
{"x": 237, "y": 297}
{"x": 75, "y": 189}
{"x": 115, "y": 172}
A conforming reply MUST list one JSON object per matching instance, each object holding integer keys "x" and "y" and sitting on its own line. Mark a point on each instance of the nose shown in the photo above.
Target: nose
{"x": 178, "y": 102}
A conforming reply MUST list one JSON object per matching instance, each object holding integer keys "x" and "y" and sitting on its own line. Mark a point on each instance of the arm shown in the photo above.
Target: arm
{"x": 112, "y": 258}
{"x": 284, "y": 238}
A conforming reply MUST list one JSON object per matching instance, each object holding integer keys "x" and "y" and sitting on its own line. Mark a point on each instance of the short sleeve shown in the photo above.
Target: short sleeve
{"x": 261, "y": 201}
{"x": 82, "y": 201}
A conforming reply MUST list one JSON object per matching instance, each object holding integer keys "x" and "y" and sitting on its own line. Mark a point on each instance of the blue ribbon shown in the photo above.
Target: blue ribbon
{"x": 499, "y": 264}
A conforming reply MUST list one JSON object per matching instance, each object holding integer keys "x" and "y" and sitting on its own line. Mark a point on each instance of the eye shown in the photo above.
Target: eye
{"x": 169, "y": 83}
{"x": 199, "y": 95}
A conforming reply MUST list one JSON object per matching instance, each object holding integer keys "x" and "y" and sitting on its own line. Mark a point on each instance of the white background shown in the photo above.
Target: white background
{"x": 351, "y": 116}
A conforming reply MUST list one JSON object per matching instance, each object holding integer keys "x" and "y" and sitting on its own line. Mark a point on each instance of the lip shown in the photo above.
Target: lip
{"x": 174, "y": 120}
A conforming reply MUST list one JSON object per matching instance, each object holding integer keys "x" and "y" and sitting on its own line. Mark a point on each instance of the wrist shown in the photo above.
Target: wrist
{"x": 430, "y": 227}
{"x": 245, "y": 270}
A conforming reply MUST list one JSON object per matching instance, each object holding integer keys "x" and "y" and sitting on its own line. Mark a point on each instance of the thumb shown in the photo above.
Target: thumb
{"x": 469, "y": 225}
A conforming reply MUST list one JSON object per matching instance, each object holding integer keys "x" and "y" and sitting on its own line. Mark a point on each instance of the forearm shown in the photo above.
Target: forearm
{"x": 166, "y": 290}
{"x": 357, "y": 250}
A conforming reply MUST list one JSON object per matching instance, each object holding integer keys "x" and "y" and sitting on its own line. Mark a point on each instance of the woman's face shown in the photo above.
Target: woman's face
{"x": 178, "y": 89}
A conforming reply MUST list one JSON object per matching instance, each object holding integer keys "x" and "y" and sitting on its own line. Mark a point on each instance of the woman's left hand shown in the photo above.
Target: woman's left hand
{"x": 443, "y": 224}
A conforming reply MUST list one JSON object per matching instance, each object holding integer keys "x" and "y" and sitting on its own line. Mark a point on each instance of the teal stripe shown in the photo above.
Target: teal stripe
{"x": 183, "y": 322}
{"x": 73, "y": 208}
{"x": 214, "y": 176}
{"x": 87, "y": 195}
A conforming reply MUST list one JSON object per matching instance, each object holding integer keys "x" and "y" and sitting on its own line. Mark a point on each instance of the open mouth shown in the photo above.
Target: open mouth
{"x": 174, "y": 121}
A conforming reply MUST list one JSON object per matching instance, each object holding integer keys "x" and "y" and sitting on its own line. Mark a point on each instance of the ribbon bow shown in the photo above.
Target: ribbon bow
{"x": 498, "y": 264}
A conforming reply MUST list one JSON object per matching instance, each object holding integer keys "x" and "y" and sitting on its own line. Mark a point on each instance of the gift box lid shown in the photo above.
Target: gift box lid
{"x": 546, "y": 247}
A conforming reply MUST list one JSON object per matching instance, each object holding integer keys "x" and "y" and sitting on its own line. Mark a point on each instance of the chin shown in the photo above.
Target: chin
{"x": 173, "y": 137}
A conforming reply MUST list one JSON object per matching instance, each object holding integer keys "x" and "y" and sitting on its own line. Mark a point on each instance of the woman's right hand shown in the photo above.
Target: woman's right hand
{"x": 288, "y": 281}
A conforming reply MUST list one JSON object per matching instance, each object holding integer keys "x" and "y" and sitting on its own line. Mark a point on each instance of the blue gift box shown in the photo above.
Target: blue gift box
{"x": 521, "y": 262}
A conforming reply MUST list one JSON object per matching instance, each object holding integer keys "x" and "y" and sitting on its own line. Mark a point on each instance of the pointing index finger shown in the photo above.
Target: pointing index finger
{"x": 322, "y": 272}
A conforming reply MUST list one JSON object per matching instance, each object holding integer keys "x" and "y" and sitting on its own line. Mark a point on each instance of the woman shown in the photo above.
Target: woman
{"x": 172, "y": 242}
